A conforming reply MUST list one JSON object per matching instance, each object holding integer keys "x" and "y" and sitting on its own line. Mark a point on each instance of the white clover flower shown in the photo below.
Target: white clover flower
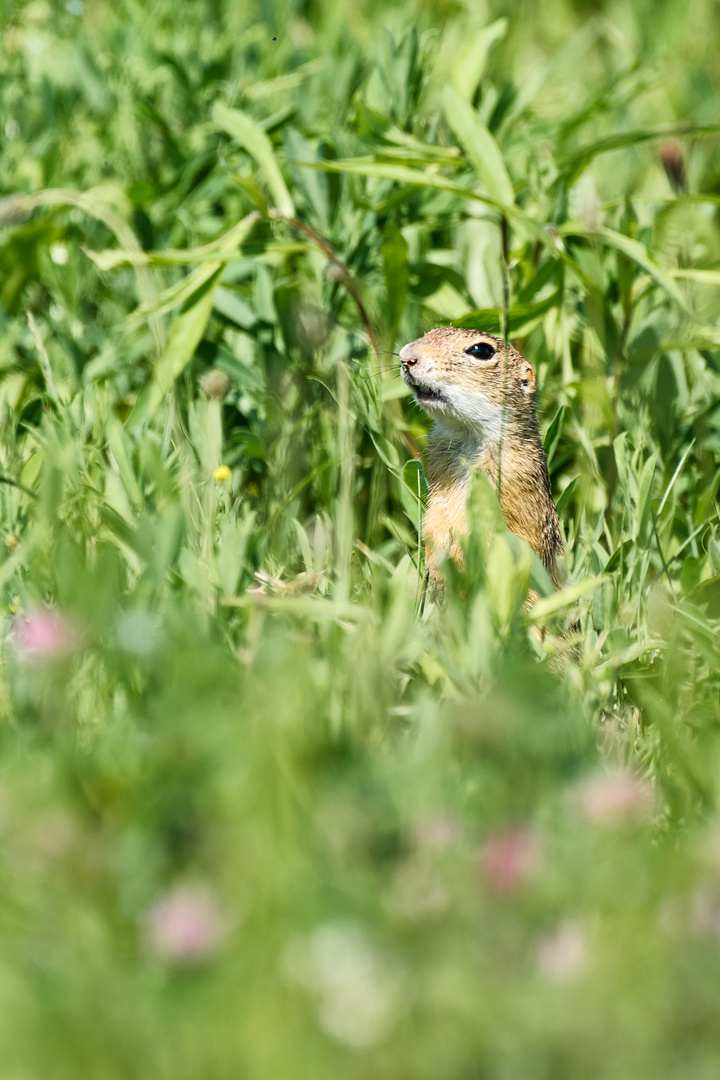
{"x": 358, "y": 989}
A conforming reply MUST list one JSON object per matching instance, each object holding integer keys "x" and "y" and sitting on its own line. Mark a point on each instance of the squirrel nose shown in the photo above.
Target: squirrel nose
{"x": 407, "y": 356}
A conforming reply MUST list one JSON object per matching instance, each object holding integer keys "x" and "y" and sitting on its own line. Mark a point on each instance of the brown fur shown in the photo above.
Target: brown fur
{"x": 485, "y": 413}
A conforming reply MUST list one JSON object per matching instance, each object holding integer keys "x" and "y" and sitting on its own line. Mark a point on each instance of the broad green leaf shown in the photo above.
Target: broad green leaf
{"x": 566, "y": 494}
{"x": 703, "y": 277}
{"x": 426, "y": 179}
{"x": 552, "y": 437}
{"x": 13, "y": 563}
{"x": 636, "y": 252}
{"x": 574, "y": 164}
{"x": 411, "y": 491}
{"x": 223, "y": 249}
{"x": 118, "y": 447}
{"x": 447, "y": 302}
{"x": 470, "y": 64}
{"x": 689, "y": 345}
{"x": 231, "y": 557}
{"x": 483, "y": 505}
{"x": 691, "y": 573}
{"x": 622, "y": 657}
{"x": 620, "y": 451}
{"x": 521, "y": 316}
{"x": 714, "y": 553}
{"x": 430, "y": 153}
{"x": 184, "y": 336}
{"x": 397, "y": 275}
{"x": 387, "y": 452}
{"x": 112, "y": 259}
{"x": 401, "y": 174}
{"x": 627, "y": 271}
{"x": 312, "y": 183}
{"x": 234, "y": 308}
{"x": 106, "y": 204}
{"x": 31, "y": 470}
{"x": 421, "y": 156}
{"x": 282, "y": 83}
{"x": 644, "y": 517}
{"x": 252, "y": 138}
{"x": 309, "y": 607}
{"x": 552, "y": 605}
{"x": 601, "y": 554}
{"x": 540, "y": 580}
{"x": 481, "y": 148}
{"x": 619, "y": 555}
{"x": 179, "y": 292}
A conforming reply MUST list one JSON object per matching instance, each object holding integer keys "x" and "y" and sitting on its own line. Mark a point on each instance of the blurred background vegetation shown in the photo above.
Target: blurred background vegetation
{"x": 261, "y": 814}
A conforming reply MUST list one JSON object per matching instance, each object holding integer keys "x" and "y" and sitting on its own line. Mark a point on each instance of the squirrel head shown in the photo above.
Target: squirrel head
{"x": 465, "y": 379}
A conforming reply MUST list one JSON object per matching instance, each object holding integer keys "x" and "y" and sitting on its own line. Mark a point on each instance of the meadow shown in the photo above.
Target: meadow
{"x": 263, "y": 813}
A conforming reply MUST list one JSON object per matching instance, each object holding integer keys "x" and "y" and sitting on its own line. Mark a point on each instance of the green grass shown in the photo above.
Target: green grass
{"x": 261, "y": 815}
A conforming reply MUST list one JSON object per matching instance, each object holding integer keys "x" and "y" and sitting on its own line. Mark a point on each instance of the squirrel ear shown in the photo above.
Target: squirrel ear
{"x": 528, "y": 379}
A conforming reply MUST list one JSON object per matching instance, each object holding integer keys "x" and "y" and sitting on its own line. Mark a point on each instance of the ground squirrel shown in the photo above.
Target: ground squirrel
{"x": 466, "y": 380}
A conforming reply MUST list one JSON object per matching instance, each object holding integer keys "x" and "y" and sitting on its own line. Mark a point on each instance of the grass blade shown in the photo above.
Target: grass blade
{"x": 549, "y": 606}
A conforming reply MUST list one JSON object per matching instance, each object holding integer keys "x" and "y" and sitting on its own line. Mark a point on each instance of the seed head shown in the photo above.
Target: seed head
{"x": 215, "y": 384}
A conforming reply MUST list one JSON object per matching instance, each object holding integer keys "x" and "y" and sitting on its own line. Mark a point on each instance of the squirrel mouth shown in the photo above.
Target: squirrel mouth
{"x": 424, "y": 394}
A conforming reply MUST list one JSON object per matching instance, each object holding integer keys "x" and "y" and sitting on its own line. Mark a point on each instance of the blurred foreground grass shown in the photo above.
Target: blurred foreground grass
{"x": 260, "y": 815}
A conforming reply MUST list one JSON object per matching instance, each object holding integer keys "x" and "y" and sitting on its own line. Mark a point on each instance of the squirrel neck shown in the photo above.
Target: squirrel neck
{"x": 525, "y": 493}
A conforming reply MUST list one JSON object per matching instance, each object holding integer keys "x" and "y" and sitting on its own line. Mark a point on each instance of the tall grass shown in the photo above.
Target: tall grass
{"x": 262, "y": 813}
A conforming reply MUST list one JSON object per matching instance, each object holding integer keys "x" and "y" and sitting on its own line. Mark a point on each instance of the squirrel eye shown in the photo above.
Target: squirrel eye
{"x": 481, "y": 350}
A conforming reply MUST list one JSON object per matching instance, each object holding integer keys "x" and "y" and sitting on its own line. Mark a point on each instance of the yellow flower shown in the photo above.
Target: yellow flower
{"x": 222, "y": 473}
